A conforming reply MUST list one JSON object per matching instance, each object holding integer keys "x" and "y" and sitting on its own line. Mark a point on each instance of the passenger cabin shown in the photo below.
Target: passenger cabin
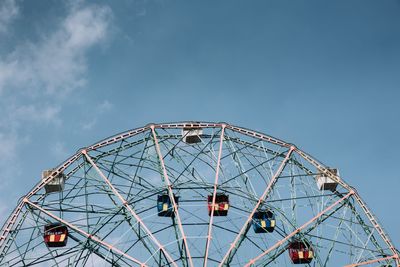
{"x": 192, "y": 135}
{"x": 221, "y": 205}
{"x": 165, "y": 206}
{"x": 54, "y": 185}
{"x": 300, "y": 251}
{"x": 263, "y": 221}
{"x": 324, "y": 182}
{"x": 55, "y": 235}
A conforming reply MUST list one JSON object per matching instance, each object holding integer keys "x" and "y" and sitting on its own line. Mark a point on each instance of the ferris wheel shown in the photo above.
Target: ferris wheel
{"x": 193, "y": 194}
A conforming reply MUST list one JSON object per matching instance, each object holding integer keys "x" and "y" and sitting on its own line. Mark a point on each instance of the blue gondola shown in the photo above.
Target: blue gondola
{"x": 263, "y": 222}
{"x": 165, "y": 206}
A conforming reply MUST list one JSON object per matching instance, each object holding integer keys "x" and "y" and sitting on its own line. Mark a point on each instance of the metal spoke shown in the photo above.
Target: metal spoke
{"x": 109, "y": 201}
{"x": 89, "y": 236}
{"x": 171, "y": 195}
{"x": 233, "y": 246}
{"x": 131, "y": 211}
{"x": 214, "y": 196}
{"x": 252, "y": 261}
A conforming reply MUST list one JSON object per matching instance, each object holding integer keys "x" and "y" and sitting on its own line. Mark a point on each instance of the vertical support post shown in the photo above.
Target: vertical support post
{"x": 214, "y": 195}
{"x": 171, "y": 195}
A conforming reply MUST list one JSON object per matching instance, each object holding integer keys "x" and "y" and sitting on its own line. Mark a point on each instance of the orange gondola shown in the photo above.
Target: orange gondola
{"x": 300, "y": 251}
{"x": 221, "y": 205}
{"x": 55, "y": 235}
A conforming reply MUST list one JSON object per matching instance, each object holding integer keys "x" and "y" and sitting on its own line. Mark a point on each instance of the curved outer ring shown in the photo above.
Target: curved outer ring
{"x": 10, "y": 224}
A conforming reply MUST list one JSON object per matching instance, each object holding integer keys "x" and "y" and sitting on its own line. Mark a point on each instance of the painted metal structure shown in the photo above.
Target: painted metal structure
{"x": 109, "y": 202}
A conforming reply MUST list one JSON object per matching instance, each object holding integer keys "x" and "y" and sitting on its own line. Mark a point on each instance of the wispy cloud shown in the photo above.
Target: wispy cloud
{"x": 8, "y": 152}
{"x": 31, "y": 113}
{"x": 57, "y": 63}
{"x": 8, "y": 144}
{"x": 37, "y": 75}
{"x": 59, "y": 150}
{"x": 89, "y": 124}
{"x": 8, "y": 12}
{"x": 94, "y": 114}
{"x": 105, "y": 106}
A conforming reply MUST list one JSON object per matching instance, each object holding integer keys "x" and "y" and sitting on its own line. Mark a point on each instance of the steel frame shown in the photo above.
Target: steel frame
{"x": 171, "y": 194}
{"x": 128, "y": 207}
{"x": 215, "y": 186}
{"x": 89, "y": 236}
{"x": 14, "y": 223}
{"x": 263, "y": 197}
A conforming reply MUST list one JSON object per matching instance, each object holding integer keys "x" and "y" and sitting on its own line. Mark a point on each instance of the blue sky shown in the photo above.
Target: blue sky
{"x": 323, "y": 75}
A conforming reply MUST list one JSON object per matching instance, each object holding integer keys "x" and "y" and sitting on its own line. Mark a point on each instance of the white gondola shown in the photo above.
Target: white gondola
{"x": 192, "y": 135}
{"x": 54, "y": 185}
{"x": 324, "y": 182}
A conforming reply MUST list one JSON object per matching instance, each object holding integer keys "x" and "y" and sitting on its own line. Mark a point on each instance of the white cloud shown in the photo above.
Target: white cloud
{"x": 105, "y": 106}
{"x": 8, "y": 145}
{"x": 57, "y": 63}
{"x": 59, "y": 150}
{"x": 33, "y": 113}
{"x": 37, "y": 73}
{"x": 8, "y": 152}
{"x": 8, "y": 12}
{"x": 100, "y": 109}
{"x": 88, "y": 125}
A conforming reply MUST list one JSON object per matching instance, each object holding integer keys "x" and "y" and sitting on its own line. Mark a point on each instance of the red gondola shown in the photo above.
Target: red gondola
{"x": 221, "y": 205}
{"x": 300, "y": 251}
{"x": 55, "y": 235}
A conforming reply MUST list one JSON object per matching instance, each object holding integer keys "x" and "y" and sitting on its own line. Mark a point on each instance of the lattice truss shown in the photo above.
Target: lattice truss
{"x": 109, "y": 205}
